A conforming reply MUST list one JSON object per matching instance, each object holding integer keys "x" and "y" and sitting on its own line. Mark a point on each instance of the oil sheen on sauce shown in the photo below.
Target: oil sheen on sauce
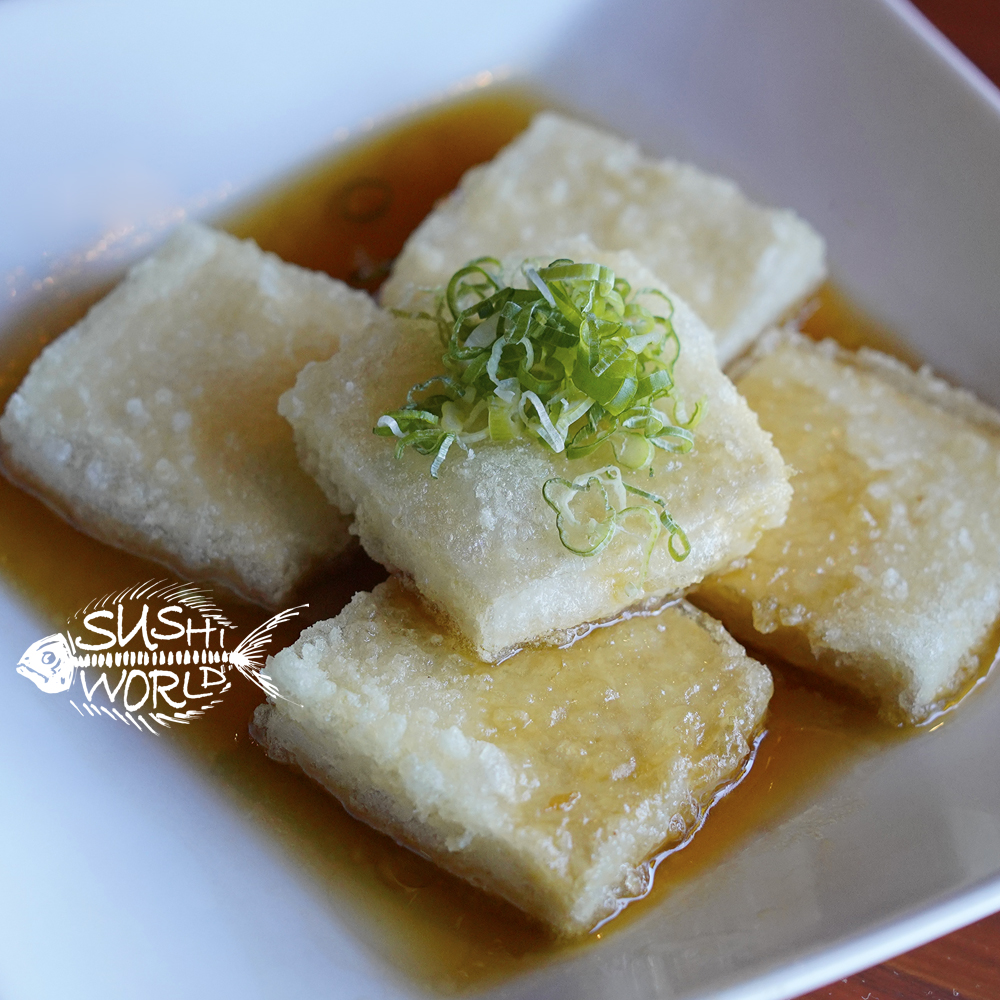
{"x": 350, "y": 216}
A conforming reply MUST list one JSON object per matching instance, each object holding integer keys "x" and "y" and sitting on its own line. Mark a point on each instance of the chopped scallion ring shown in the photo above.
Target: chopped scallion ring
{"x": 572, "y": 362}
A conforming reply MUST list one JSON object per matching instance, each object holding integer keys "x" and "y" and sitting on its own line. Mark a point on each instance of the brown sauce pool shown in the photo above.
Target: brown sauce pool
{"x": 350, "y": 216}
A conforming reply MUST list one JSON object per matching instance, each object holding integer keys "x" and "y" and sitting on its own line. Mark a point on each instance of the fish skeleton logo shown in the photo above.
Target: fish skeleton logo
{"x": 167, "y": 645}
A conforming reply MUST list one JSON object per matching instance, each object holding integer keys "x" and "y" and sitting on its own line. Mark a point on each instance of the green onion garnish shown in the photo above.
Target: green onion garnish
{"x": 571, "y": 361}
{"x": 593, "y": 506}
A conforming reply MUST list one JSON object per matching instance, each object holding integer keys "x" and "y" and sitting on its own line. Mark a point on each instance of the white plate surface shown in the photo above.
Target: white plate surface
{"x": 118, "y": 117}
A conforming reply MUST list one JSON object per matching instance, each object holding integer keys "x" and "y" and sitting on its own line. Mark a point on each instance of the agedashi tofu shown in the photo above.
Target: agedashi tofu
{"x": 548, "y": 779}
{"x": 480, "y": 541}
{"x": 152, "y": 424}
{"x": 740, "y": 266}
{"x": 886, "y": 574}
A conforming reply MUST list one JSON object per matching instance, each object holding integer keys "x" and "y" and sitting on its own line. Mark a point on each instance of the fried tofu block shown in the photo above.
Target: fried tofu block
{"x": 153, "y": 423}
{"x": 548, "y": 779}
{"x": 741, "y": 267}
{"x": 480, "y": 542}
{"x": 886, "y": 574}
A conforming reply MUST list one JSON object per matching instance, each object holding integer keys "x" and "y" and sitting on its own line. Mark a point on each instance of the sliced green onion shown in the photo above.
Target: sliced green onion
{"x": 442, "y": 454}
{"x": 532, "y": 275}
{"x": 633, "y": 451}
{"x": 582, "y": 533}
{"x": 572, "y": 361}
{"x": 588, "y": 535}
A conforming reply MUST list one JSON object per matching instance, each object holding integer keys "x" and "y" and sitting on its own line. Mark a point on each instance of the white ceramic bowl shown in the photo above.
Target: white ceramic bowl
{"x": 125, "y": 872}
